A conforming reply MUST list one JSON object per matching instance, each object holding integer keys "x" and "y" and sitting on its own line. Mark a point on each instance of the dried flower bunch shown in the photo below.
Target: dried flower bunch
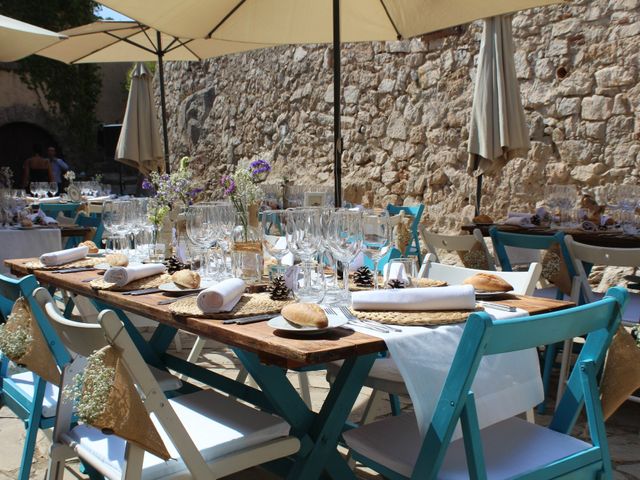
{"x": 169, "y": 191}
{"x": 90, "y": 390}
{"x": 70, "y": 176}
{"x": 15, "y": 335}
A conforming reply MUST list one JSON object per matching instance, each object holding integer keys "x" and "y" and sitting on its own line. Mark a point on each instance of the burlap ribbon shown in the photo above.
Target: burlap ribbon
{"x": 621, "y": 375}
{"x": 475, "y": 258}
{"x": 554, "y": 269}
{"x": 37, "y": 357}
{"x": 124, "y": 414}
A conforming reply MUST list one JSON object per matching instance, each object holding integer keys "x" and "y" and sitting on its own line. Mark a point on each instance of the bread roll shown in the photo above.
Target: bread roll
{"x": 186, "y": 278}
{"x": 305, "y": 315}
{"x": 25, "y": 222}
{"x": 482, "y": 219}
{"x": 117, "y": 260}
{"x": 488, "y": 282}
{"x": 90, "y": 245}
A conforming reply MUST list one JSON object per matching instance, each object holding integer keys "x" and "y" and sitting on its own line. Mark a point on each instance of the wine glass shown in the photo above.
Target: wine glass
{"x": 376, "y": 239}
{"x": 345, "y": 240}
{"x": 199, "y": 232}
{"x": 303, "y": 232}
{"x": 52, "y": 188}
{"x": 274, "y": 239}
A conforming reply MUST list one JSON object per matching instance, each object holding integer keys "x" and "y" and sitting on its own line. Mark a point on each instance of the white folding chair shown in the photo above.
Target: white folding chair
{"x": 384, "y": 375}
{"x": 456, "y": 243}
{"x": 208, "y": 435}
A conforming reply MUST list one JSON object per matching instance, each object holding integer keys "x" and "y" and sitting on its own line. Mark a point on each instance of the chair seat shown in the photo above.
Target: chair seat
{"x": 217, "y": 424}
{"x": 24, "y": 382}
{"x": 511, "y": 447}
{"x": 384, "y": 376}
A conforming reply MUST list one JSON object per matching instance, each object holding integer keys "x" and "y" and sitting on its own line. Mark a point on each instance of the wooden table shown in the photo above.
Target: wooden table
{"x": 600, "y": 238}
{"x": 266, "y": 356}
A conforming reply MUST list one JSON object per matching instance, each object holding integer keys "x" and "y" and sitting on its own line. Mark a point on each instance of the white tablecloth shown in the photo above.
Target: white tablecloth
{"x": 505, "y": 385}
{"x": 27, "y": 243}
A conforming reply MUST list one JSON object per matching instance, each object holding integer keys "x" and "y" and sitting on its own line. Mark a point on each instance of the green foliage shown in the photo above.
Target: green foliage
{"x": 70, "y": 91}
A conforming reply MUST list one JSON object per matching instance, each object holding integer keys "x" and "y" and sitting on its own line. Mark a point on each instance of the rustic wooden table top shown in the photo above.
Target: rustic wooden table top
{"x": 600, "y": 238}
{"x": 271, "y": 346}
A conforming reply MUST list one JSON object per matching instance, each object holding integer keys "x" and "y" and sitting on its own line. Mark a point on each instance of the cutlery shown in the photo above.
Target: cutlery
{"x": 73, "y": 270}
{"x": 350, "y": 316}
{"x": 87, "y": 280}
{"x": 172, "y": 300}
{"x": 142, "y": 291}
{"x": 632, "y": 278}
{"x": 355, "y": 321}
{"x": 251, "y": 319}
{"x": 497, "y": 306}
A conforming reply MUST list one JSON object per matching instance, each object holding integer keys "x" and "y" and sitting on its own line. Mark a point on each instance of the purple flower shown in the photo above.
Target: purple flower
{"x": 228, "y": 184}
{"x": 259, "y": 166}
{"x": 147, "y": 185}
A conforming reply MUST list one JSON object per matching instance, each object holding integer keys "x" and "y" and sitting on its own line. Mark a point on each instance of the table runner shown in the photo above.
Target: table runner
{"x": 505, "y": 385}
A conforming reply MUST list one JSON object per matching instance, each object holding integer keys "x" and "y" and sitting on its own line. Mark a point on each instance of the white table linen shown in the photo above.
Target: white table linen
{"x": 27, "y": 243}
{"x": 505, "y": 385}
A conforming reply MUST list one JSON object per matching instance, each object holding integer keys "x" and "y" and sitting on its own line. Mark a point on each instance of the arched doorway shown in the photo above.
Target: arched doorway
{"x": 16, "y": 145}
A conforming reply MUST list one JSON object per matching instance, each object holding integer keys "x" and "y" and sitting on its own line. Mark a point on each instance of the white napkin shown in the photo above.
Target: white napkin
{"x": 520, "y": 221}
{"x": 221, "y": 297}
{"x": 43, "y": 218}
{"x": 61, "y": 257}
{"x": 505, "y": 385}
{"x": 456, "y": 297}
{"x": 395, "y": 271}
{"x": 123, "y": 275}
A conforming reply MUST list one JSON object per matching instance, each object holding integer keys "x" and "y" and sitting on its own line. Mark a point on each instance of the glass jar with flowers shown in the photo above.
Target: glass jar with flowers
{"x": 246, "y": 241}
{"x": 169, "y": 195}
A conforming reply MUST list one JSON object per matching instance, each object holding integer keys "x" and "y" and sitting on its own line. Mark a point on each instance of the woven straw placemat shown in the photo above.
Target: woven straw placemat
{"x": 249, "y": 304}
{"x": 85, "y": 262}
{"x": 417, "y": 283}
{"x": 427, "y": 318}
{"x": 148, "y": 282}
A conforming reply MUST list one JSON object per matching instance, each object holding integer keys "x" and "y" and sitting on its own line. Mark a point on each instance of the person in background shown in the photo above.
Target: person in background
{"x": 58, "y": 166}
{"x": 36, "y": 168}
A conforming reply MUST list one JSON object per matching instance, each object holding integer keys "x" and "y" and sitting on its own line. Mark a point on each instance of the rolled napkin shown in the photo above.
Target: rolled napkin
{"x": 520, "y": 221}
{"x": 457, "y": 297}
{"x": 61, "y": 257}
{"x": 221, "y": 297}
{"x": 123, "y": 275}
{"x": 42, "y": 219}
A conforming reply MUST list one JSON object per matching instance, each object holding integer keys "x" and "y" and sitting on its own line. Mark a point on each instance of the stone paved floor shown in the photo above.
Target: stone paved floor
{"x": 623, "y": 429}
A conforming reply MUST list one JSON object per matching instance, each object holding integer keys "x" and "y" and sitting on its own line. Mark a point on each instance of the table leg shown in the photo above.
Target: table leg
{"x": 318, "y": 433}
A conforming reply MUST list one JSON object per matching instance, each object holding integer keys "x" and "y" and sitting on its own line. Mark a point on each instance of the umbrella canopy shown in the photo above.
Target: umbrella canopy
{"x": 109, "y": 41}
{"x": 19, "y": 39}
{"x": 314, "y": 21}
{"x": 139, "y": 143}
{"x": 498, "y": 127}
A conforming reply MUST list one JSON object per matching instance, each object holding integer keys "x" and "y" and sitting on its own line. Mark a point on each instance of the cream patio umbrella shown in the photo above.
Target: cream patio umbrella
{"x": 129, "y": 41}
{"x": 19, "y": 39}
{"x": 139, "y": 143}
{"x": 498, "y": 127}
{"x": 313, "y": 21}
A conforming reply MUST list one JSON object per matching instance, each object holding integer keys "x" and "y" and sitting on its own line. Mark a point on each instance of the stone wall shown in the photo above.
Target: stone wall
{"x": 406, "y": 111}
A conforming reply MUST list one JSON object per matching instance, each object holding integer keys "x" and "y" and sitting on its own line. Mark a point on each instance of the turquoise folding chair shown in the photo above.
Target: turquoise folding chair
{"x": 500, "y": 241}
{"x": 83, "y": 220}
{"x": 416, "y": 212}
{"x": 53, "y": 209}
{"x": 512, "y": 448}
{"x": 29, "y": 397}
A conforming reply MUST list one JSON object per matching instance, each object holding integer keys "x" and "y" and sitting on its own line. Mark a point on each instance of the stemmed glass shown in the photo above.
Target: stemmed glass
{"x": 345, "y": 240}
{"x": 627, "y": 199}
{"x": 304, "y": 238}
{"x": 199, "y": 231}
{"x": 376, "y": 238}
{"x": 274, "y": 239}
{"x": 52, "y": 188}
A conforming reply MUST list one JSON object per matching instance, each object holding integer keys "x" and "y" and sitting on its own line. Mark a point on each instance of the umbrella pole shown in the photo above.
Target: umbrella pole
{"x": 337, "y": 135}
{"x": 163, "y": 105}
{"x": 476, "y": 164}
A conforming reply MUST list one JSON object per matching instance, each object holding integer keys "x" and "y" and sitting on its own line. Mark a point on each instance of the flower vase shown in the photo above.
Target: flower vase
{"x": 246, "y": 246}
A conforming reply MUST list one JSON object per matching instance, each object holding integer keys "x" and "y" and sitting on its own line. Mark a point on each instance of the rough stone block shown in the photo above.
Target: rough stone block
{"x": 597, "y": 107}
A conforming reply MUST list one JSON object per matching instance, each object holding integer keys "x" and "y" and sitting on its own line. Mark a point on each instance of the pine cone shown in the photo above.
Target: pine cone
{"x": 363, "y": 277}
{"x": 395, "y": 283}
{"x": 278, "y": 289}
{"x": 174, "y": 265}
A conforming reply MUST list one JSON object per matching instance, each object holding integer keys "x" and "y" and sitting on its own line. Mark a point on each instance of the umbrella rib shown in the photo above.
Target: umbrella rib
{"x": 131, "y": 42}
{"x": 226, "y": 17}
{"x": 386, "y": 11}
{"x": 182, "y": 43}
{"x": 79, "y": 59}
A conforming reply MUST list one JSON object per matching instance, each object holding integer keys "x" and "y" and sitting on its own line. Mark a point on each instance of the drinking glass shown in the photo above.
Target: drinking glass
{"x": 345, "y": 240}
{"x": 627, "y": 199}
{"x": 274, "y": 239}
{"x": 309, "y": 283}
{"x": 409, "y": 268}
{"x": 303, "y": 232}
{"x": 199, "y": 232}
{"x": 376, "y": 239}
{"x": 52, "y": 188}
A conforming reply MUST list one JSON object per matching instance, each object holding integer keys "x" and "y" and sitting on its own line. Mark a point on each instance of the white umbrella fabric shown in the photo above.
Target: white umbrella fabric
{"x": 314, "y": 21}
{"x": 498, "y": 128}
{"x": 19, "y": 39}
{"x": 139, "y": 143}
{"x": 129, "y": 41}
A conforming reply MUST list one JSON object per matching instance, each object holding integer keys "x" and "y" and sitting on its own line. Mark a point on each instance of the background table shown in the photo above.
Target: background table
{"x": 27, "y": 243}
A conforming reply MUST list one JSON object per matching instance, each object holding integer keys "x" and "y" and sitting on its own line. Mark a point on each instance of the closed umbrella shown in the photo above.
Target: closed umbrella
{"x": 128, "y": 41}
{"x": 19, "y": 39}
{"x": 313, "y": 21}
{"x": 139, "y": 142}
{"x": 498, "y": 128}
